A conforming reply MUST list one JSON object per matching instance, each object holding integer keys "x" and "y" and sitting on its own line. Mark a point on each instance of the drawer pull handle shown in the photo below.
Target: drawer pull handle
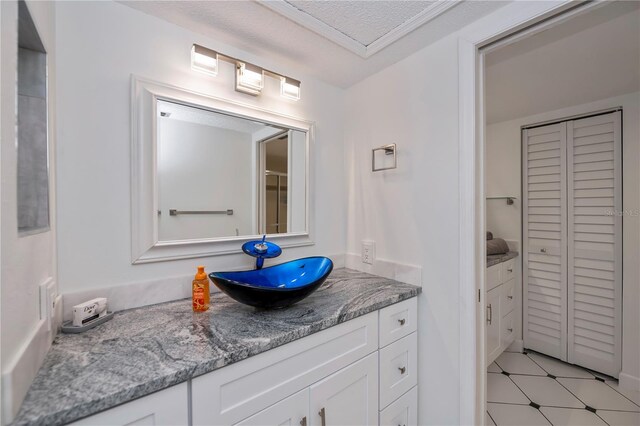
{"x": 402, "y": 321}
{"x": 402, "y": 369}
{"x": 509, "y": 297}
{"x": 303, "y": 422}
{"x": 510, "y": 330}
{"x": 543, "y": 250}
{"x": 322, "y": 415}
{"x": 510, "y": 270}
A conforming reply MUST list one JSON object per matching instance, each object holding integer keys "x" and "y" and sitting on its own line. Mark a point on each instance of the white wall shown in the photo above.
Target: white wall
{"x": 104, "y": 43}
{"x": 26, "y": 261}
{"x": 503, "y": 177}
{"x": 412, "y": 212}
{"x": 202, "y": 167}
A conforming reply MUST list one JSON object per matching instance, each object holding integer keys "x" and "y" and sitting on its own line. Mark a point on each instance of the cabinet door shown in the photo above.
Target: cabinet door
{"x": 291, "y": 411}
{"x": 166, "y": 407}
{"x": 493, "y": 324}
{"x": 594, "y": 158}
{"x": 544, "y": 234}
{"x": 403, "y": 411}
{"x": 348, "y": 397}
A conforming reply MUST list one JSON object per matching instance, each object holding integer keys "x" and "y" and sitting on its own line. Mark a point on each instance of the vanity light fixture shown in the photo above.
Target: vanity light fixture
{"x": 249, "y": 77}
{"x": 289, "y": 88}
{"x": 204, "y": 60}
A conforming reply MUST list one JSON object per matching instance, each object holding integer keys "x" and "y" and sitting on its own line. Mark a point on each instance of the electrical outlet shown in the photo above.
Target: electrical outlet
{"x": 368, "y": 251}
{"x": 47, "y": 301}
{"x": 52, "y": 296}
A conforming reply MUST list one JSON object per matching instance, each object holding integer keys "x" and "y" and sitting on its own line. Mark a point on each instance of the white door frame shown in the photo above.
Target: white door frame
{"x": 507, "y": 25}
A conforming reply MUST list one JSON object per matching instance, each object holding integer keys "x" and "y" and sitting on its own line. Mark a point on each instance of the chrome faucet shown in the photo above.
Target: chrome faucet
{"x": 261, "y": 250}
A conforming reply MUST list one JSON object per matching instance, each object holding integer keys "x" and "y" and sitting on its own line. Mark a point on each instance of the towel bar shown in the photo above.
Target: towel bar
{"x": 388, "y": 150}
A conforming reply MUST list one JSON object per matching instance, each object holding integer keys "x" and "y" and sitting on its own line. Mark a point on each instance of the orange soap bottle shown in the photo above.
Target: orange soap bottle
{"x": 200, "y": 291}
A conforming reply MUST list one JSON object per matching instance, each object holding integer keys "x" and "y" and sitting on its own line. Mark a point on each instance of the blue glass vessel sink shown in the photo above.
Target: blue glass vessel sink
{"x": 276, "y": 286}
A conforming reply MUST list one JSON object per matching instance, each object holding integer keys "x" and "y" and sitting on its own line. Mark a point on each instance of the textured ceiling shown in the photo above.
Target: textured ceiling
{"x": 363, "y": 21}
{"x": 208, "y": 118}
{"x": 590, "y": 57}
{"x": 298, "y": 51}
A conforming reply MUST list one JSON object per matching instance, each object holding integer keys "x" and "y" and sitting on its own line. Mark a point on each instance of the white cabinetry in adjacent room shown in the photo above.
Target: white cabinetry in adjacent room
{"x": 501, "y": 313}
{"x": 493, "y": 324}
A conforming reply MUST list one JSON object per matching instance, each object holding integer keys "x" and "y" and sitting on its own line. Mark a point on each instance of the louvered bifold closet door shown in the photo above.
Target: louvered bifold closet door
{"x": 545, "y": 237}
{"x": 595, "y": 248}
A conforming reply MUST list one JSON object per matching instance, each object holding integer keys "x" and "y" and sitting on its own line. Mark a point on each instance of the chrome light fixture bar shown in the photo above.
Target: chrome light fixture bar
{"x": 249, "y": 78}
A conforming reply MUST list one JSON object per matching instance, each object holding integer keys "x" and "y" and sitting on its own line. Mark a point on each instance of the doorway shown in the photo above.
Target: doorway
{"x": 274, "y": 185}
{"x": 562, "y": 67}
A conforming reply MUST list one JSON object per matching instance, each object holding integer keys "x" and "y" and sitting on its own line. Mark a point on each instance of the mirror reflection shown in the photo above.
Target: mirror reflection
{"x": 224, "y": 176}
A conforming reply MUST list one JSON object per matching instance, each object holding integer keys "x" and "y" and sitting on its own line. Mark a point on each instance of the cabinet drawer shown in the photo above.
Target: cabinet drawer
{"x": 507, "y": 324}
{"x": 233, "y": 393}
{"x": 493, "y": 276}
{"x": 166, "y": 407}
{"x": 507, "y": 297}
{"x": 508, "y": 270}
{"x": 397, "y": 321}
{"x": 398, "y": 368}
{"x": 403, "y": 411}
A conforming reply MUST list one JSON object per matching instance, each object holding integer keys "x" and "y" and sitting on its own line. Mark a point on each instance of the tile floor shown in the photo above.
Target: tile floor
{"x": 533, "y": 389}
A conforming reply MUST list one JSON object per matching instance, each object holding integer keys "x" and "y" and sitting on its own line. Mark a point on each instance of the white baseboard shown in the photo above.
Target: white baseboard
{"x": 627, "y": 381}
{"x": 410, "y": 274}
{"x": 516, "y": 346}
{"x": 144, "y": 293}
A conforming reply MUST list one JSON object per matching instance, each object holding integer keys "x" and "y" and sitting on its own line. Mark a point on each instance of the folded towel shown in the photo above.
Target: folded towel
{"x": 489, "y": 236}
{"x": 497, "y": 246}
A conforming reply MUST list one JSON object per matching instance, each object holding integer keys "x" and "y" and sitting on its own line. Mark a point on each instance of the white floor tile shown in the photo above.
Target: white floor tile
{"x": 501, "y": 389}
{"x": 487, "y": 420}
{"x": 546, "y": 391}
{"x": 571, "y": 417}
{"x": 516, "y": 415}
{"x": 493, "y": 368}
{"x": 620, "y": 418}
{"x": 632, "y": 395}
{"x": 598, "y": 395}
{"x": 559, "y": 368}
{"x": 519, "y": 364}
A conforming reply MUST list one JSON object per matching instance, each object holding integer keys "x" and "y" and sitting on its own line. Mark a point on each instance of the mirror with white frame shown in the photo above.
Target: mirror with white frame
{"x": 208, "y": 173}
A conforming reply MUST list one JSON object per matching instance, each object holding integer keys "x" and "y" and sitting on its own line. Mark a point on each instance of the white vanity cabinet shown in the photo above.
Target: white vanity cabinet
{"x": 501, "y": 313}
{"x": 166, "y": 407}
{"x": 361, "y": 372}
{"x": 333, "y": 377}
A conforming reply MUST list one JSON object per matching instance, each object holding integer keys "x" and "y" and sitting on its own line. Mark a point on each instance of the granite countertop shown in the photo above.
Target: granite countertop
{"x": 494, "y": 259}
{"x": 147, "y": 349}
